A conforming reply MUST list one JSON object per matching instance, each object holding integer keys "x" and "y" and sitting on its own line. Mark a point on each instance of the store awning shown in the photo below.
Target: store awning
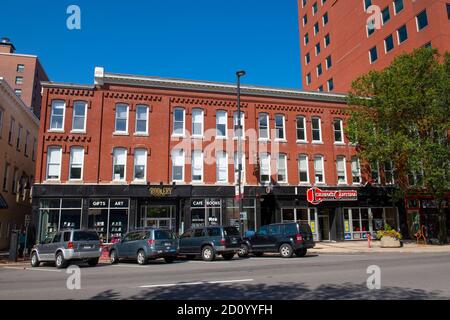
{"x": 3, "y": 204}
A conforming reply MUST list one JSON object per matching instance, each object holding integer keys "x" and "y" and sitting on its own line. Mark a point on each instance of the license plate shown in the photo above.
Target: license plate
{"x": 87, "y": 247}
{"x": 234, "y": 242}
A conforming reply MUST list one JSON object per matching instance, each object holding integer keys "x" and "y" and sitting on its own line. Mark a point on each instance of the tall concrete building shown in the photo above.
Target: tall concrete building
{"x": 343, "y": 39}
{"x": 24, "y": 74}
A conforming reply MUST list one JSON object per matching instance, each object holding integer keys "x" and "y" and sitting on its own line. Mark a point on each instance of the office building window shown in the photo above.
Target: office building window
{"x": 282, "y": 168}
{"x": 76, "y": 163}
{"x": 448, "y": 11}
{"x": 305, "y": 19}
{"x": 19, "y": 80}
{"x": 314, "y": 8}
{"x": 304, "y": 3}
{"x": 57, "y": 115}
{"x": 222, "y": 166}
{"x": 119, "y": 164}
{"x": 279, "y": 127}
{"x": 178, "y": 122}
{"x": 265, "y": 168}
{"x": 306, "y": 39}
{"x": 370, "y": 27}
{"x": 178, "y": 165}
{"x": 263, "y": 125}
{"x": 18, "y": 92}
{"x": 316, "y": 28}
{"x": 317, "y": 48}
{"x": 325, "y": 18}
{"x": 328, "y": 62}
{"x": 341, "y": 170}
{"x": 221, "y": 124}
{"x": 320, "y": 89}
{"x": 20, "y": 68}
{"x": 427, "y": 45}
{"x": 422, "y": 20}
{"x": 319, "y": 174}
{"x": 236, "y": 124}
{"x": 319, "y": 69}
{"x": 303, "y": 170}
{"x": 398, "y": 6}
{"x": 338, "y": 131}
{"x": 326, "y": 40}
{"x": 307, "y": 58}
{"x": 389, "y": 43}
{"x": 140, "y": 165}
{"x": 197, "y": 166}
{"x": 121, "y": 118}
{"x": 356, "y": 171}
{"x": 385, "y": 14}
{"x": 197, "y": 122}
{"x": 330, "y": 84}
{"x": 367, "y": 4}
{"x": 54, "y": 163}
{"x": 316, "y": 129}
{"x": 373, "y": 55}
{"x": 142, "y": 119}
{"x": 79, "y": 116}
{"x": 402, "y": 34}
{"x": 308, "y": 78}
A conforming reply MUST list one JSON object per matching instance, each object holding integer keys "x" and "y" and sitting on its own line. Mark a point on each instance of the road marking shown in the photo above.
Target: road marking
{"x": 194, "y": 283}
{"x": 32, "y": 269}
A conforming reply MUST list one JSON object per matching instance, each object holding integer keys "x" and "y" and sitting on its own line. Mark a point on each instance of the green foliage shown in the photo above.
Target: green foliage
{"x": 388, "y": 232}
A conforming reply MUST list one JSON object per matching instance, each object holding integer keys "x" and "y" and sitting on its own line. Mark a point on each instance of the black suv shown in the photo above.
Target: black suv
{"x": 286, "y": 238}
{"x": 210, "y": 241}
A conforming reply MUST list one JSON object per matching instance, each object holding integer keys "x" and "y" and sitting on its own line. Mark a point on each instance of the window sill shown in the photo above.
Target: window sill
{"x": 178, "y": 136}
{"x": 339, "y": 143}
{"x": 317, "y": 142}
{"x": 53, "y": 181}
{"x": 121, "y": 134}
{"x": 301, "y": 141}
{"x": 55, "y": 131}
{"x": 198, "y": 137}
{"x": 141, "y": 134}
{"x": 118, "y": 182}
{"x": 263, "y": 140}
{"x": 281, "y": 140}
{"x": 137, "y": 182}
{"x": 220, "y": 138}
{"x": 78, "y": 131}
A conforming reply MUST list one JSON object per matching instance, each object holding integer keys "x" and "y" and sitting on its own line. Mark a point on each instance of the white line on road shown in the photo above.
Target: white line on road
{"x": 32, "y": 269}
{"x": 195, "y": 283}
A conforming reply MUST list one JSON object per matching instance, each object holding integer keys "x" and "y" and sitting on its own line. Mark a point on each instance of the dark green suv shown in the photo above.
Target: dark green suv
{"x": 209, "y": 242}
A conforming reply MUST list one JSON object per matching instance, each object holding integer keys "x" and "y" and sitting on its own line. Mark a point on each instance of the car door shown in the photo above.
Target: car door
{"x": 45, "y": 254}
{"x": 126, "y": 245}
{"x": 273, "y": 240}
{"x": 56, "y": 243}
{"x": 260, "y": 239}
{"x": 197, "y": 240}
{"x": 185, "y": 243}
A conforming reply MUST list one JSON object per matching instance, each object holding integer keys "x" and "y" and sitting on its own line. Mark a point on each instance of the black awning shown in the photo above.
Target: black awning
{"x": 3, "y": 204}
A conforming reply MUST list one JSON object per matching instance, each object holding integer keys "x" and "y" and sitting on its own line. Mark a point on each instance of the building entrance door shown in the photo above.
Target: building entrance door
{"x": 158, "y": 216}
{"x": 324, "y": 228}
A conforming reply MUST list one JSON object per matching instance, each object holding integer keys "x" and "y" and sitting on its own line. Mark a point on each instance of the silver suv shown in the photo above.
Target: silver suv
{"x": 69, "y": 245}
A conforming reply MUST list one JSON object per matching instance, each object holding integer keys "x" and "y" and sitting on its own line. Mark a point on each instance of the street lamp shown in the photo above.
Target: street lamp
{"x": 239, "y": 74}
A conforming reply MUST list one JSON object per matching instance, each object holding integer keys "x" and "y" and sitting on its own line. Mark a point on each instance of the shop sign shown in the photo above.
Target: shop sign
{"x": 348, "y": 236}
{"x": 312, "y": 224}
{"x": 98, "y": 203}
{"x": 347, "y": 226}
{"x": 316, "y": 195}
{"x": 119, "y": 203}
{"x": 160, "y": 192}
{"x": 244, "y": 215}
{"x": 208, "y": 203}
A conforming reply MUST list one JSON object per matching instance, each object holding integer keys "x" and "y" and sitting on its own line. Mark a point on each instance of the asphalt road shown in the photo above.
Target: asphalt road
{"x": 325, "y": 276}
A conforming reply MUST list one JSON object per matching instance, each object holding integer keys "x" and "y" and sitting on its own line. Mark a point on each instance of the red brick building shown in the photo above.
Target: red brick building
{"x": 337, "y": 44}
{"x": 132, "y": 151}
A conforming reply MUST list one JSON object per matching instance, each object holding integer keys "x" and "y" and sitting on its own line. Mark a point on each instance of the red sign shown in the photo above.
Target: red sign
{"x": 316, "y": 196}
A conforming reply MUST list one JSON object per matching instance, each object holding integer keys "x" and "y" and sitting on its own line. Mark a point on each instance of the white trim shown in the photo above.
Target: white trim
{"x": 225, "y": 136}
{"x": 197, "y": 136}
{"x": 184, "y": 122}
{"x": 341, "y": 131}
{"x": 307, "y": 168}
{"x": 343, "y": 159}
{"x": 183, "y": 166}
{"x": 276, "y": 129}
{"x": 63, "y": 116}
{"x": 60, "y": 163}
{"x": 145, "y": 166}
{"x": 147, "y": 112}
{"x": 85, "y": 117}
{"x": 226, "y": 166}
{"x": 320, "y": 130}
{"x": 127, "y": 119}
{"x": 70, "y": 163}
{"x": 268, "y": 127}
{"x": 304, "y": 129}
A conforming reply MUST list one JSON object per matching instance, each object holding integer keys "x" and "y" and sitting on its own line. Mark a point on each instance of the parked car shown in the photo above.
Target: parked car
{"x": 286, "y": 238}
{"x": 210, "y": 242}
{"x": 66, "y": 246}
{"x": 144, "y": 245}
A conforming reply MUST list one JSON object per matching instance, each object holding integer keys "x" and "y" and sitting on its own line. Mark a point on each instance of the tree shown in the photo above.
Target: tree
{"x": 402, "y": 114}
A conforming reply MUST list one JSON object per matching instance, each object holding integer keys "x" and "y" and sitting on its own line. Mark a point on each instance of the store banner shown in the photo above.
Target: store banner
{"x": 316, "y": 195}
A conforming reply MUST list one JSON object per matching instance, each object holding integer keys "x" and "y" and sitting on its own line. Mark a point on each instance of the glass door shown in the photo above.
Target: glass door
{"x": 158, "y": 217}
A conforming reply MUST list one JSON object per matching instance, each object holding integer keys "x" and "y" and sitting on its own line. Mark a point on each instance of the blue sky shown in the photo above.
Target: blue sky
{"x": 197, "y": 39}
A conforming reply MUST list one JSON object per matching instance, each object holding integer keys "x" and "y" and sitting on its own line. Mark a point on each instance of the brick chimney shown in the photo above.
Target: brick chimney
{"x": 6, "y": 46}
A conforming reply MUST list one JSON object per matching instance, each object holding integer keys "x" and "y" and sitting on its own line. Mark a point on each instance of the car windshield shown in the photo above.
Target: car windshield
{"x": 304, "y": 227}
{"x": 162, "y": 235}
{"x": 231, "y": 231}
{"x": 85, "y": 236}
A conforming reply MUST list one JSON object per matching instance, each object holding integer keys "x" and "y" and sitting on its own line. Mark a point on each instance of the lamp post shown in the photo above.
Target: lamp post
{"x": 239, "y": 74}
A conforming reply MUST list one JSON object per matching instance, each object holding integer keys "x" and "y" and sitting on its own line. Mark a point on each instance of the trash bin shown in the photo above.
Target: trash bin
{"x": 14, "y": 245}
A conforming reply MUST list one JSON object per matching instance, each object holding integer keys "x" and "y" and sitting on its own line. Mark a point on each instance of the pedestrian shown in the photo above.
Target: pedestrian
{"x": 22, "y": 242}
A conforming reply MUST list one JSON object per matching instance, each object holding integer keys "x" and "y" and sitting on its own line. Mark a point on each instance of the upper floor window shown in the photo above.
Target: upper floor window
{"x": 19, "y": 137}
{"x": 325, "y": 18}
{"x": 12, "y": 125}
{"x": 140, "y": 165}
{"x": 142, "y": 119}
{"x": 326, "y": 40}
{"x": 422, "y": 20}
{"x": 119, "y": 164}
{"x": 76, "y": 163}
{"x": 282, "y": 168}
{"x": 27, "y": 137}
{"x": 57, "y": 115}
{"x": 303, "y": 168}
{"x": 341, "y": 170}
{"x": 317, "y": 48}
{"x": 305, "y": 19}
{"x": 306, "y": 39}
{"x": 370, "y": 27}
{"x": 304, "y": 3}
{"x": 398, "y": 6}
{"x": 178, "y": 122}
{"x": 319, "y": 69}
{"x": 416, "y": 178}
{"x": 330, "y": 84}
{"x": 263, "y": 125}
{"x": 385, "y": 15}
{"x": 307, "y": 58}
{"x": 308, "y": 78}
{"x": 279, "y": 127}
{"x": 265, "y": 168}
{"x": 1, "y": 122}
{"x": 33, "y": 153}
{"x": 375, "y": 172}
{"x": 316, "y": 129}
{"x": 356, "y": 171}
{"x": 197, "y": 166}
{"x": 222, "y": 166}
{"x": 236, "y": 167}
{"x": 177, "y": 165}
{"x": 338, "y": 131}
{"x": 197, "y": 122}
{"x": 316, "y": 28}
{"x": 5, "y": 177}
{"x": 389, "y": 43}
{"x": 221, "y": 124}
{"x": 367, "y": 4}
{"x": 121, "y": 118}
{"x": 448, "y": 11}
{"x": 329, "y": 63}
{"x": 388, "y": 172}
{"x": 402, "y": 34}
{"x": 236, "y": 124}
{"x": 301, "y": 128}
{"x": 373, "y": 55}
{"x": 18, "y": 92}
{"x": 314, "y": 8}
{"x": 54, "y": 163}
{"x": 19, "y": 80}
{"x": 319, "y": 173}
{"x": 79, "y": 116}
{"x": 20, "y": 68}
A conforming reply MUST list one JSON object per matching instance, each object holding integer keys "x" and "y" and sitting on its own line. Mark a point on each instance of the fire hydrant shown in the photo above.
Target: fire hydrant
{"x": 369, "y": 240}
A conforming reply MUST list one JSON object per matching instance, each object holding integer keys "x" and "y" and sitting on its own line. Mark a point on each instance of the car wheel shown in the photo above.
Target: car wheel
{"x": 228, "y": 256}
{"x": 93, "y": 262}
{"x": 243, "y": 251}
{"x": 208, "y": 253}
{"x": 113, "y": 258}
{"x": 169, "y": 259}
{"x": 60, "y": 262}
{"x": 301, "y": 252}
{"x": 190, "y": 256}
{"x": 258, "y": 254}
{"x": 35, "y": 260}
{"x": 141, "y": 258}
{"x": 286, "y": 250}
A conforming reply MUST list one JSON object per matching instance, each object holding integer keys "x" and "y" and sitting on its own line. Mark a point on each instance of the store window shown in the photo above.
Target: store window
{"x": 109, "y": 217}
{"x": 359, "y": 222}
{"x": 206, "y": 212}
{"x": 303, "y": 215}
{"x": 233, "y": 215}
{"x": 59, "y": 214}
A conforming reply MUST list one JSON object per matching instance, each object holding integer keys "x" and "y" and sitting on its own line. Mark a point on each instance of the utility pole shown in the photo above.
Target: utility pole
{"x": 240, "y": 74}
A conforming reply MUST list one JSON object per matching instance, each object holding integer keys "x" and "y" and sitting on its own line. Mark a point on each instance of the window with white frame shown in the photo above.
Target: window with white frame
{"x": 178, "y": 165}
{"x": 398, "y": 6}
{"x": 326, "y": 40}
{"x": 282, "y": 168}
{"x": 301, "y": 128}
{"x": 325, "y": 18}
{"x": 221, "y": 124}
{"x": 140, "y": 165}
{"x": 316, "y": 129}
{"x": 375, "y": 172}
{"x": 356, "y": 171}
{"x": 236, "y": 168}
{"x": 341, "y": 170}
{"x": 222, "y": 166}
{"x": 197, "y": 122}
{"x": 57, "y": 115}
{"x": 263, "y": 125}
{"x": 236, "y": 124}
{"x": 119, "y": 164}
{"x": 415, "y": 178}
{"x": 319, "y": 174}
{"x": 265, "y": 168}
{"x": 178, "y": 122}
{"x": 338, "y": 131}
{"x": 142, "y": 119}
{"x": 76, "y": 163}
{"x": 121, "y": 123}
{"x": 279, "y": 127}
{"x": 197, "y": 166}
{"x": 314, "y": 8}
{"x": 54, "y": 163}
{"x": 388, "y": 172}
{"x": 422, "y": 20}
{"x": 303, "y": 170}
{"x": 316, "y": 28}
{"x": 79, "y": 116}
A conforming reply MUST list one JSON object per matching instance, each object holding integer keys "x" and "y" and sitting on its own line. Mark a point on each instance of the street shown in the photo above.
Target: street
{"x": 324, "y": 276}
